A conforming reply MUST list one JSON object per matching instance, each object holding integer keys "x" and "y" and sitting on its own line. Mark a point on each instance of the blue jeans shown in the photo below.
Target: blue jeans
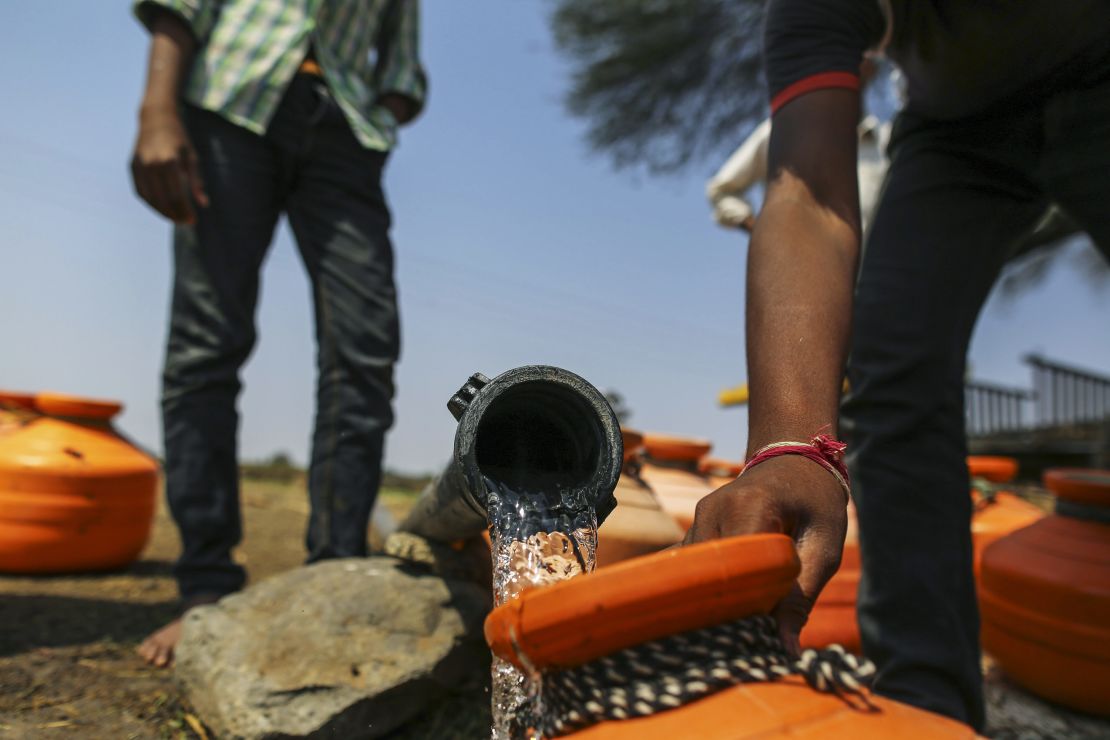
{"x": 309, "y": 166}
{"x": 958, "y": 195}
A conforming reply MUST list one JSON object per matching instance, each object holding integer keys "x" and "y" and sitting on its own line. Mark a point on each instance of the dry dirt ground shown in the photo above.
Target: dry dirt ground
{"x": 68, "y": 667}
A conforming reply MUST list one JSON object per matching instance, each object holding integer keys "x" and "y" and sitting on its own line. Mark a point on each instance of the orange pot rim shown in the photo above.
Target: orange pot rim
{"x": 994, "y": 468}
{"x": 1048, "y": 582}
{"x": 727, "y": 468}
{"x": 1090, "y": 486}
{"x": 62, "y": 404}
{"x": 642, "y": 599}
{"x": 17, "y": 399}
{"x": 1084, "y": 641}
{"x": 679, "y": 449}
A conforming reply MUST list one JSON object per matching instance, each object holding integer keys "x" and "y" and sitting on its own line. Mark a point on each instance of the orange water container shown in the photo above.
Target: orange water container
{"x": 678, "y": 490}
{"x": 586, "y": 618}
{"x": 74, "y": 495}
{"x": 715, "y": 467}
{"x": 997, "y": 516}
{"x": 994, "y": 469}
{"x": 1082, "y": 486}
{"x": 833, "y": 619}
{"x": 637, "y": 526}
{"x": 1045, "y": 596}
{"x": 667, "y": 448}
{"x": 670, "y": 469}
{"x": 633, "y": 443}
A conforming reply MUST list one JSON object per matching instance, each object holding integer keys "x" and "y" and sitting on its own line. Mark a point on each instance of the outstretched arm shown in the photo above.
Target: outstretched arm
{"x": 801, "y": 270}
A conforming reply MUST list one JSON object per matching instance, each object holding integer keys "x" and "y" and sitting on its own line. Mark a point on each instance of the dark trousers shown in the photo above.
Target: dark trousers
{"x": 958, "y": 196}
{"x": 309, "y": 166}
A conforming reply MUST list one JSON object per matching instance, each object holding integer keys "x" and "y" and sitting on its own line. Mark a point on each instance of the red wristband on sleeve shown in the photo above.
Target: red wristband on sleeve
{"x": 820, "y": 81}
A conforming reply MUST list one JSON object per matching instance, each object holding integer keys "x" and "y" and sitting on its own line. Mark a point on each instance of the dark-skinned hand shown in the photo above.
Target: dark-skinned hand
{"x": 789, "y": 495}
{"x": 400, "y": 106}
{"x": 164, "y": 167}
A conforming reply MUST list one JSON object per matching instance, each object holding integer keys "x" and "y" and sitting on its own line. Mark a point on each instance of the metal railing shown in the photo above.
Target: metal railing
{"x": 1068, "y": 396}
{"x": 991, "y": 408}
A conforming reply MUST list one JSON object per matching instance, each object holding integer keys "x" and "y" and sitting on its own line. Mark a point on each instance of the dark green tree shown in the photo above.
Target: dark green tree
{"x": 661, "y": 83}
{"x": 619, "y": 406}
{"x": 1028, "y": 270}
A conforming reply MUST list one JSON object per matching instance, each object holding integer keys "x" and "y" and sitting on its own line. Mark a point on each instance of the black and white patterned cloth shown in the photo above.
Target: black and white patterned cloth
{"x": 669, "y": 672}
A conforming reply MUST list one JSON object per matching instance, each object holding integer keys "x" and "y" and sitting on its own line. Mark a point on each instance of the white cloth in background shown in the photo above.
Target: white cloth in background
{"x": 748, "y": 166}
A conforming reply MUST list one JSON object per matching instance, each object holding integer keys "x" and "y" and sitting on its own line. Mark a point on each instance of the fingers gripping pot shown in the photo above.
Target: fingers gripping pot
{"x": 530, "y": 424}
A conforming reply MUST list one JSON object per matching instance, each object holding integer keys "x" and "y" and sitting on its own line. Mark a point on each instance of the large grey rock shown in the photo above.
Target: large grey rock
{"x": 341, "y": 649}
{"x": 467, "y": 560}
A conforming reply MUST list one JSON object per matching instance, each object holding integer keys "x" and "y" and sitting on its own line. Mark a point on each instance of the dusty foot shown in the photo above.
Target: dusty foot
{"x": 157, "y": 649}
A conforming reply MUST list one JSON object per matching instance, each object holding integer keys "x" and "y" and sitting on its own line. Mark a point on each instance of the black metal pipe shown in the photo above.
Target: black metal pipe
{"x": 530, "y": 427}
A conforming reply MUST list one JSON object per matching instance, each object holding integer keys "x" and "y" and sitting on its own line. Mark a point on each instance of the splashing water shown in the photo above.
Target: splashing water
{"x": 538, "y": 538}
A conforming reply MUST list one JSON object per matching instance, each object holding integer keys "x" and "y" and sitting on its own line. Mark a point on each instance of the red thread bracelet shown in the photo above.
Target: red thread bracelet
{"x": 822, "y": 449}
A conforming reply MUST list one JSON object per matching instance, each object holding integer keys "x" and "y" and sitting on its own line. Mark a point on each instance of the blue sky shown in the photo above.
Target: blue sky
{"x": 515, "y": 245}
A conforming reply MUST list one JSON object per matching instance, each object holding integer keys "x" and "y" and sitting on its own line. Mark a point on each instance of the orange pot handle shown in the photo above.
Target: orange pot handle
{"x": 643, "y": 599}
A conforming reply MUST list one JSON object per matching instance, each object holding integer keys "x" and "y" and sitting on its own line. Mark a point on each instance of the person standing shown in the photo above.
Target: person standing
{"x": 1007, "y": 112}
{"x": 747, "y": 167}
{"x": 252, "y": 109}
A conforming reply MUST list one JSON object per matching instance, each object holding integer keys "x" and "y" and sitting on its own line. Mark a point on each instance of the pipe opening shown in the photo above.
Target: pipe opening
{"x": 540, "y": 436}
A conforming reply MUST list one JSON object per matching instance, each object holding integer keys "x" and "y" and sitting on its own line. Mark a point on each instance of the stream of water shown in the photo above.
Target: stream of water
{"x": 539, "y": 537}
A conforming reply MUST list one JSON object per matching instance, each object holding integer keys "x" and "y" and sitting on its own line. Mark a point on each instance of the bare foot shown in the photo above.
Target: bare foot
{"x": 157, "y": 649}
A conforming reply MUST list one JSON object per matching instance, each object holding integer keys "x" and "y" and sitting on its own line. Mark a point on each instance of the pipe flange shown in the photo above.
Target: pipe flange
{"x": 465, "y": 395}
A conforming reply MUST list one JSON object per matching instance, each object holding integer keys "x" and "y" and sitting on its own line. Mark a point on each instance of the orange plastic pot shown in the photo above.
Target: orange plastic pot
{"x": 787, "y": 709}
{"x": 665, "y": 448}
{"x": 678, "y": 490}
{"x": 1079, "y": 485}
{"x": 994, "y": 469}
{"x": 718, "y": 468}
{"x": 677, "y": 590}
{"x": 633, "y": 442}
{"x": 833, "y": 619}
{"x": 1045, "y": 601}
{"x": 74, "y": 495}
{"x": 997, "y": 517}
{"x": 11, "y": 400}
{"x": 638, "y": 526}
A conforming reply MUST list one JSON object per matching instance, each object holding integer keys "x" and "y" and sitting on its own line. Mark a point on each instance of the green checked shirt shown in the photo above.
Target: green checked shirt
{"x": 249, "y": 50}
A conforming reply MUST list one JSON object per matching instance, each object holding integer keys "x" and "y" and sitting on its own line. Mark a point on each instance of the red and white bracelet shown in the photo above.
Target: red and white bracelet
{"x": 822, "y": 449}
